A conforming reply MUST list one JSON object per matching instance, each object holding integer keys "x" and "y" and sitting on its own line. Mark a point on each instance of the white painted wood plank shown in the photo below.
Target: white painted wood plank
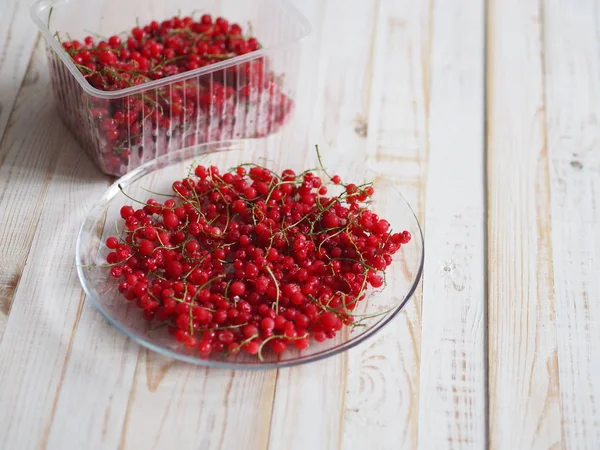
{"x": 28, "y": 158}
{"x": 177, "y": 405}
{"x": 381, "y": 407}
{"x": 215, "y": 408}
{"x": 308, "y": 408}
{"x": 452, "y": 407}
{"x": 37, "y": 342}
{"x": 18, "y": 35}
{"x": 96, "y": 386}
{"x": 572, "y": 49}
{"x": 60, "y": 365}
{"x": 523, "y": 364}
{"x": 341, "y": 69}
{"x": 94, "y": 377}
{"x": 46, "y": 183}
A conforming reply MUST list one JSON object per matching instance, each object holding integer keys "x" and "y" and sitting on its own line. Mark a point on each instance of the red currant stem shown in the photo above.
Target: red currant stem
{"x": 125, "y": 144}
{"x": 149, "y": 114}
{"x": 329, "y": 236}
{"x": 192, "y": 167}
{"x": 84, "y": 68}
{"x": 191, "y": 317}
{"x": 118, "y": 232}
{"x": 198, "y": 262}
{"x": 157, "y": 327}
{"x": 196, "y": 11}
{"x": 321, "y": 166}
{"x": 176, "y": 299}
{"x": 283, "y": 230}
{"x": 263, "y": 343}
{"x": 371, "y": 315}
{"x": 222, "y": 275}
{"x": 50, "y": 16}
{"x": 252, "y": 209}
{"x": 138, "y": 201}
{"x": 158, "y": 193}
{"x": 127, "y": 71}
{"x": 218, "y": 57}
{"x": 277, "y": 293}
{"x": 169, "y": 61}
{"x": 278, "y": 336}
{"x": 387, "y": 238}
{"x": 227, "y": 291}
{"x": 183, "y": 227}
{"x": 164, "y": 247}
{"x": 363, "y": 317}
{"x": 98, "y": 266}
{"x": 334, "y": 201}
{"x": 362, "y": 263}
{"x": 96, "y": 35}
{"x": 159, "y": 277}
{"x": 213, "y": 176}
{"x": 107, "y": 49}
{"x": 356, "y": 298}
{"x": 155, "y": 298}
{"x": 228, "y": 327}
{"x": 275, "y": 186}
{"x": 227, "y": 222}
{"x": 244, "y": 342}
{"x": 301, "y": 174}
{"x": 316, "y": 302}
{"x": 198, "y": 208}
{"x": 327, "y": 308}
{"x": 154, "y": 102}
{"x": 227, "y": 210}
{"x": 57, "y": 36}
{"x": 186, "y": 31}
{"x": 273, "y": 173}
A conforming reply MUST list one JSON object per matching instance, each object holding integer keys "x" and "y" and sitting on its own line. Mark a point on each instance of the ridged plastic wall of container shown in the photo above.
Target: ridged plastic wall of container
{"x": 248, "y": 96}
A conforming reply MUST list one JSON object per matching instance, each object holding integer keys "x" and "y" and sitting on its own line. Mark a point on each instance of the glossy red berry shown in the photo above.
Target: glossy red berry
{"x": 249, "y": 261}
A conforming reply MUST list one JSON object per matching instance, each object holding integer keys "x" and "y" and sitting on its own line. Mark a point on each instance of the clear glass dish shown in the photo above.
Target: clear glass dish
{"x": 378, "y": 309}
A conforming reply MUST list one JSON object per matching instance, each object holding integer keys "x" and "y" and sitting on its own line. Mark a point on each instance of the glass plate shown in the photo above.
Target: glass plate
{"x": 378, "y": 308}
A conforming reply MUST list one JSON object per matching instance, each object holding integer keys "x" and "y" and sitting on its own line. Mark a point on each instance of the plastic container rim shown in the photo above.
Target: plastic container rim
{"x": 41, "y": 5}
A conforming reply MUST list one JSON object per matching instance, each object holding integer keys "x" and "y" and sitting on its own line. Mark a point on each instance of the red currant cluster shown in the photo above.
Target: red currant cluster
{"x": 251, "y": 258}
{"x": 241, "y": 101}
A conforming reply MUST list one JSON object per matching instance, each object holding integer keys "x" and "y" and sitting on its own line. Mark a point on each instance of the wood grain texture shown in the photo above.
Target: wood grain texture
{"x": 523, "y": 364}
{"x": 27, "y": 163}
{"x": 17, "y": 39}
{"x": 572, "y": 67}
{"x": 382, "y": 393}
{"x": 36, "y": 346}
{"x": 341, "y": 94}
{"x": 400, "y": 84}
{"x": 452, "y": 387}
{"x": 193, "y": 407}
{"x": 99, "y": 374}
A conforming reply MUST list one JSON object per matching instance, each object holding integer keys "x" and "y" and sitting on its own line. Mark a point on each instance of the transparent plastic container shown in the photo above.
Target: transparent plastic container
{"x": 246, "y": 96}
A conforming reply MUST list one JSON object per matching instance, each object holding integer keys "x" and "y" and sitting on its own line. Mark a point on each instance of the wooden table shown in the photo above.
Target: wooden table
{"x": 488, "y": 117}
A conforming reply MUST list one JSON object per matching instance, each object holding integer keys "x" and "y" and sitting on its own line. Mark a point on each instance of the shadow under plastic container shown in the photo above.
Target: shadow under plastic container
{"x": 247, "y": 96}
